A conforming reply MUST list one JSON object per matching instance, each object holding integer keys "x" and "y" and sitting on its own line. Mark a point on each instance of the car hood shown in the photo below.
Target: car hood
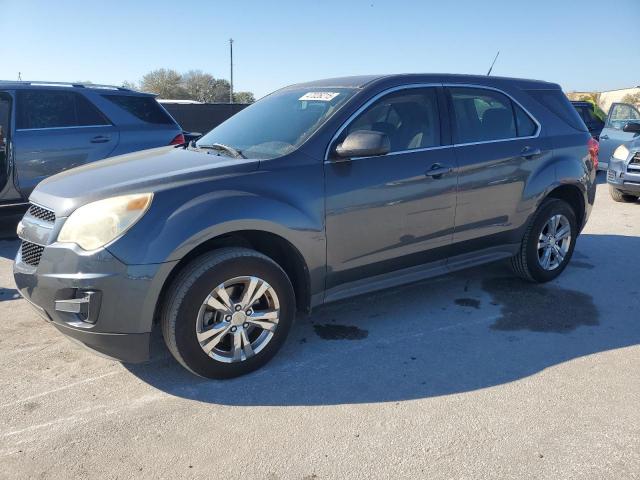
{"x": 146, "y": 171}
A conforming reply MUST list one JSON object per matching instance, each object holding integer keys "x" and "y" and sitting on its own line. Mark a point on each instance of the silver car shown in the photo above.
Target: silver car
{"x": 613, "y": 134}
{"x": 623, "y": 174}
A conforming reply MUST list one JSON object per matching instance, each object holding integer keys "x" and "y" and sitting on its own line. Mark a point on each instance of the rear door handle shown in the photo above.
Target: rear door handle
{"x": 101, "y": 139}
{"x": 437, "y": 170}
{"x": 530, "y": 152}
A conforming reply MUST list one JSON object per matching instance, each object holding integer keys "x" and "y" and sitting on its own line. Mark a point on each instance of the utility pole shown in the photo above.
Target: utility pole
{"x": 231, "y": 64}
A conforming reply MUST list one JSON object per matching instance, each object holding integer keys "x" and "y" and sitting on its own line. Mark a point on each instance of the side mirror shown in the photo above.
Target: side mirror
{"x": 632, "y": 127}
{"x": 364, "y": 143}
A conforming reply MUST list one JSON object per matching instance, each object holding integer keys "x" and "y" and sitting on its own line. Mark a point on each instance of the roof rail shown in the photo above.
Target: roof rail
{"x": 65, "y": 84}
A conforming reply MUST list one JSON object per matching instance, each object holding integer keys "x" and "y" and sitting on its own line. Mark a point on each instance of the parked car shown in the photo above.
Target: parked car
{"x": 613, "y": 134}
{"x": 623, "y": 175}
{"x": 52, "y": 127}
{"x": 589, "y": 117}
{"x": 318, "y": 192}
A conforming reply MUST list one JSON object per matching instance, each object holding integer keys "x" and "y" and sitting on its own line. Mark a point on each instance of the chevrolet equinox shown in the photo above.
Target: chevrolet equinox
{"x": 317, "y": 192}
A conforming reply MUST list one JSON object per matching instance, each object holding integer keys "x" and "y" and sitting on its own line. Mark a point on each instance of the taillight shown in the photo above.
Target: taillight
{"x": 594, "y": 150}
{"x": 178, "y": 140}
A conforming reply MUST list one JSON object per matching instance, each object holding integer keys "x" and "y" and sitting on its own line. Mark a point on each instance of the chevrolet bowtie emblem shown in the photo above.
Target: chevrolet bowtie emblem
{"x": 20, "y": 229}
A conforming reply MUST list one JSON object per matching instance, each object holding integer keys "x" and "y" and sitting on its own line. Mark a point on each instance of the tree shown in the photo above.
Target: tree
{"x": 129, "y": 85}
{"x": 243, "y": 97}
{"x": 199, "y": 86}
{"x": 632, "y": 98}
{"x": 166, "y": 83}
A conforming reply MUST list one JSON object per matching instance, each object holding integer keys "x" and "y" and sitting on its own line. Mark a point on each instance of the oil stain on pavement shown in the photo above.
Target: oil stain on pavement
{"x": 340, "y": 332}
{"x": 468, "y": 302}
{"x": 527, "y": 306}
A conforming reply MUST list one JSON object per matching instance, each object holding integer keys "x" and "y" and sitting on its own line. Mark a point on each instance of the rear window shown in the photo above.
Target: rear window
{"x": 54, "y": 109}
{"x": 558, "y": 103}
{"x": 143, "y": 108}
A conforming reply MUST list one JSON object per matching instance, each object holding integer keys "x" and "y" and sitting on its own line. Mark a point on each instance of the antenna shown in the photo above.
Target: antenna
{"x": 493, "y": 63}
{"x": 19, "y": 76}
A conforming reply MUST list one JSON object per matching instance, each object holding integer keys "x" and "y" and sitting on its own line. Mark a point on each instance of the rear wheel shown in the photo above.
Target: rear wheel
{"x": 618, "y": 196}
{"x": 228, "y": 313}
{"x": 548, "y": 243}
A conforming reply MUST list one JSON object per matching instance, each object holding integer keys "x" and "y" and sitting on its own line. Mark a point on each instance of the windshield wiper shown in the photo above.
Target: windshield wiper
{"x": 224, "y": 148}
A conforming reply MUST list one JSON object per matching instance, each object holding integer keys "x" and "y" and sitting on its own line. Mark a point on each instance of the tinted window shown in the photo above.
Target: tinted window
{"x": 586, "y": 113}
{"x": 144, "y": 108}
{"x": 278, "y": 123}
{"x": 408, "y": 117}
{"x": 621, "y": 114}
{"x": 49, "y": 109}
{"x": 524, "y": 124}
{"x": 558, "y": 103}
{"x": 482, "y": 115}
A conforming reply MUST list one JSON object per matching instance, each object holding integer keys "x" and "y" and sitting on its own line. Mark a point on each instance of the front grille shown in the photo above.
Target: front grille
{"x": 635, "y": 160}
{"x": 41, "y": 213}
{"x": 31, "y": 253}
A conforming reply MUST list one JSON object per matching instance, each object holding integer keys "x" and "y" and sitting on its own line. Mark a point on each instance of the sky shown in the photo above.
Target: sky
{"x": 582, "y": 45}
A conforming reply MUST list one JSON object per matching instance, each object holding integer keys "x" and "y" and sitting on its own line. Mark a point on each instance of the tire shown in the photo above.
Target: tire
{"x": 184, "y": 312}
{"x": 618, "y": 196}
{"x": 528, "y": 264}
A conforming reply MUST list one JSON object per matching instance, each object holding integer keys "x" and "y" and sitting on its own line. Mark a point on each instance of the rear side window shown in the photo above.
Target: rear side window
{"x": 482, "y": 115}
{"x": 143, "y": 108}
{"x": 621, "y": 114}
{"x": 558, "y": 103}
{"x": 409, "y": 118}
{"x": 54, "y": 109}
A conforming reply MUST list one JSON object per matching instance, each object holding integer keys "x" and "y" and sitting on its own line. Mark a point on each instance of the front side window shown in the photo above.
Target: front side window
{"x": 409, "y": 117}
{"x": 55, "y": 109}
{"x": 279, "y": 123}
{"x": 484, "y": 115}
{"x": 621, "y": 114}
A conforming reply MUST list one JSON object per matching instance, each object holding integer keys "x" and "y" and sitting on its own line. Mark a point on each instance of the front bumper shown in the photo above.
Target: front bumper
{"x": 624, "y": 176}
{"x": 94, "y": 298}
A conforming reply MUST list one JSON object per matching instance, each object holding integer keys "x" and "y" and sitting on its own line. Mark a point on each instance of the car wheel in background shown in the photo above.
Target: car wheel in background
{"x": 228, "y": 312}
{"x": 548, "y": 242}
{"x": 618, "y": 196}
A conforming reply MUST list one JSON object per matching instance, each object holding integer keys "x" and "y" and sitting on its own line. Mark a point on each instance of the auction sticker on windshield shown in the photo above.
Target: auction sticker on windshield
{"x": 322, "y": 96}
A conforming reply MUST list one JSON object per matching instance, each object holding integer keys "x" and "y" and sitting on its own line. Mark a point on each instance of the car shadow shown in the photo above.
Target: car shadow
{"x": 461, "y": 332}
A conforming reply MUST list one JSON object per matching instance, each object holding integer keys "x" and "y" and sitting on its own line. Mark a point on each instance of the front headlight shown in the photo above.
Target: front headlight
{"x": 621, "y": 153}
{"x": 95, "y": 224}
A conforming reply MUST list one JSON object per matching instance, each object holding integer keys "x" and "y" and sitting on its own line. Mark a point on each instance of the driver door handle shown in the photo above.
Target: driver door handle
{"x": 437, "y": 170}
{"x": 604, "y": 137}
{"x": 101, "y": 139}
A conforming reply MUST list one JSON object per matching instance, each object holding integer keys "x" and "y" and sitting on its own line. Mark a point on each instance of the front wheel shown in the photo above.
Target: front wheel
{"x": 548, "y": 243}
{"x": 618, "y": 196}
{"x": 228, "y": 312}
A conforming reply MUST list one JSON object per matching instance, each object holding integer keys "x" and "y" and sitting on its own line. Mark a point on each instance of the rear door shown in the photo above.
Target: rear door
{"x": 142, "y": 121}
{"x": 612, "y": 135}
{"x": 497, "y": 146}
{"x": 57, "y": 130}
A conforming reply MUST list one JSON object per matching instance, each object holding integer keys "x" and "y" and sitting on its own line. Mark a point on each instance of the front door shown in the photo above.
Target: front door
{"x": 612, "y": 135}
{"x": 388, "y": 212}
{"x": 55, "y": 131}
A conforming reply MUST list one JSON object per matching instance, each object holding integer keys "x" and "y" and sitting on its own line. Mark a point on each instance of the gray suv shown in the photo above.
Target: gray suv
{"x": 318, "y": 192}
{"x": 46, "y": 128}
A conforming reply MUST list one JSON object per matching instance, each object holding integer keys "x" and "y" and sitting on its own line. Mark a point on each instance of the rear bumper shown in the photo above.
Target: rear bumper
{"x": 94, "y": 298}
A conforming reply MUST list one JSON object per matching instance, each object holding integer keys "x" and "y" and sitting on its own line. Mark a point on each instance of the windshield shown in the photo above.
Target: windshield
{"x": 277, "y": 124}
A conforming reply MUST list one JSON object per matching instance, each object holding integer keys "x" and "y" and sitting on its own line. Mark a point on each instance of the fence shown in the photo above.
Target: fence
{"x": 202, "y": 117}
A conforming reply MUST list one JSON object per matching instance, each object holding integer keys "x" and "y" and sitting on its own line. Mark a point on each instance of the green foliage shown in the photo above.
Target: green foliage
{"x": 193, "y": 85}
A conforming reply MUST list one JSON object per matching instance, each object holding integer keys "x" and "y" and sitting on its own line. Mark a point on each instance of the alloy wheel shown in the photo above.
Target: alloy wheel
{"x": 238, "y": 319}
